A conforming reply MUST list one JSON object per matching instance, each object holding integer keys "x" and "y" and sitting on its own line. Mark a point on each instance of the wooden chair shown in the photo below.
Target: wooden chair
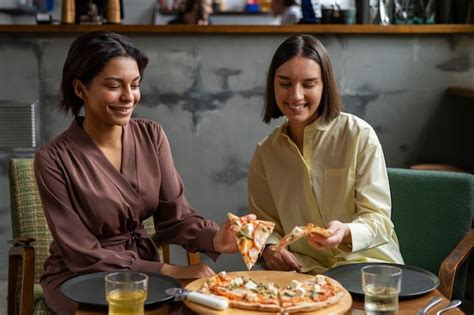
{"x": 432, "y": 214}
{"x": 29, "y": 226}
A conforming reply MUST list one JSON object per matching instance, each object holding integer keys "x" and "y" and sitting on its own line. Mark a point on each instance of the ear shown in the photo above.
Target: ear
{"x": 79, "y": 89}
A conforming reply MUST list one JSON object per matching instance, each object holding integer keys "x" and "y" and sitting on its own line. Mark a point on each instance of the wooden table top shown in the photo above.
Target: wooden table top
{"x": 406, "y": 306}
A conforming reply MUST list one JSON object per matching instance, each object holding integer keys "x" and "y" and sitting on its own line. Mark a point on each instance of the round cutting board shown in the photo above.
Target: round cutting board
{"x": 280, "y": 278}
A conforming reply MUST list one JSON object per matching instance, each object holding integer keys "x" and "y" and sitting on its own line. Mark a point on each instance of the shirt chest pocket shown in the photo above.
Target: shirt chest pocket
{"x": 339, "y": 194}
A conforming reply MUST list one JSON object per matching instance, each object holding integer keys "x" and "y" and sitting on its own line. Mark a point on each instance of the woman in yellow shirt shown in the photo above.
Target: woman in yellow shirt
{"x": 321, "y": 166}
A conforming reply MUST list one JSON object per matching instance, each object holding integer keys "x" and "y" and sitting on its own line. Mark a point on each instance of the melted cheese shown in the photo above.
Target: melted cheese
{"x": 299, "y": 292}
{"x": 297, "y": 230}
{"x": 251, "y": 297}
{"x": 248, "y": 228}
{"x": 237, "y": 281}
{"x": 295, "y": 284}
{"x": 251, "y": 285}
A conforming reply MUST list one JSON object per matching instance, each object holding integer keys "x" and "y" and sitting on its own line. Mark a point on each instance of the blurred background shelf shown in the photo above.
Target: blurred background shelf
{"x": 257, "y": 29}
{"x": 464, "y": 91}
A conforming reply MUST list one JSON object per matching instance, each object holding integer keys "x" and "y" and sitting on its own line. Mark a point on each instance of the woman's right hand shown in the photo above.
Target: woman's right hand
{"x": 187, "y": 272}
{"x": 282, "y": 259}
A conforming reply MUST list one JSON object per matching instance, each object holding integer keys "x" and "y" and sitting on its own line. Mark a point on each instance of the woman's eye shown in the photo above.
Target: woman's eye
{"x": 308, "y": 86}
{"x": 135, "y": 86}
{"x": 285, "y": 84}
{"x": 113, "y": 87}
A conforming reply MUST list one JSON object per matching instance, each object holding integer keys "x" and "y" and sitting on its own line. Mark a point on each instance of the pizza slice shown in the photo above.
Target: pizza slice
{"x": 251, "y": 237}
{"x": 243, "y": 292}
{"x": 310, "y": 295}
{"x": 299, "y": 232}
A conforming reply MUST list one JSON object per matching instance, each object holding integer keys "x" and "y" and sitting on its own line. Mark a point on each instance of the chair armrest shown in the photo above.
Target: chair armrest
{"x": 193, "y": 258}
{"x": 450, "y": 266}
{"x": 22, "y": 252}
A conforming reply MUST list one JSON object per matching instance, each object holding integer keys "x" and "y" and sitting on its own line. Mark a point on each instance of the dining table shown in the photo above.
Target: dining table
{"x": 406, "y": 306}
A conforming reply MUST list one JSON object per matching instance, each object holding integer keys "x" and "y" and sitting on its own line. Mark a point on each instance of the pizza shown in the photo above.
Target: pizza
{"x": 308, "y": 294}
{"x": 311, "y": 294}
{"x": 251, "y": 237}
{"x": 299, "y": 232}
{"x": 243, "y": 292}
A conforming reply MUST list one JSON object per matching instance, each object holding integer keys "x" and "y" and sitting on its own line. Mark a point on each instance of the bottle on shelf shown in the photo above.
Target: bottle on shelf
{"x": 113, "y": 12}
{"x": 68, "y": 12}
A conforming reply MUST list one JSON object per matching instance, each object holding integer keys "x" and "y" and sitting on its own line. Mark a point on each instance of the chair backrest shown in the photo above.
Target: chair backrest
{"x": 431, "y": 211}
{"x": 27, "y": 215}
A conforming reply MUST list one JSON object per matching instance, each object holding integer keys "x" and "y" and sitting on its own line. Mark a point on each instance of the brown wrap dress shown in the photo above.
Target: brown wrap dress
{"x": 95, "y": 213}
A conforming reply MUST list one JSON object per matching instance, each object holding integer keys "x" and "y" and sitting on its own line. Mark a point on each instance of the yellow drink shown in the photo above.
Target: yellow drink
{"x": 130, "y": 302}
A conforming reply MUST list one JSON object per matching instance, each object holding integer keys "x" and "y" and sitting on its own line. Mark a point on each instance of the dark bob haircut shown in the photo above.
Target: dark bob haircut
{"x": 308, "y": 47}
{"x": 87, "y": 57}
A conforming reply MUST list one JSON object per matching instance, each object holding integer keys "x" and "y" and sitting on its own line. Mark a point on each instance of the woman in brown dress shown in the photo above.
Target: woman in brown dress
{"x": 102, "y": 177}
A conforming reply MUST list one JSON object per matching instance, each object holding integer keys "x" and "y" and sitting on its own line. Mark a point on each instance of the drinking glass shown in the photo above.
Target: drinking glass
{"x": 381, "y": 285}
{"x": 126, "y": 292}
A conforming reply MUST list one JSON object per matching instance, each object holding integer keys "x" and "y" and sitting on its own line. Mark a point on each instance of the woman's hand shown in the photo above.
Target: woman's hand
{"x": 341, "y": 234}
{"x": 282, "y": 259}
{"x": 187, "y": 272}
{"x": 225, "y": 241}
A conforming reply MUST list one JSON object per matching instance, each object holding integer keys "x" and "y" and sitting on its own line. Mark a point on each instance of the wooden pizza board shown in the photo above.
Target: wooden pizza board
{"x": 282, "y": 279}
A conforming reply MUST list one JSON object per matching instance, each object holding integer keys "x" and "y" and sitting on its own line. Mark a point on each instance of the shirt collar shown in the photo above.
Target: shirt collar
{"x": 318, "y": 124}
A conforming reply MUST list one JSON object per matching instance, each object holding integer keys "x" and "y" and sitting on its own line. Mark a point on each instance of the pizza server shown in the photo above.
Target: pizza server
{"x": 208, "y": 300}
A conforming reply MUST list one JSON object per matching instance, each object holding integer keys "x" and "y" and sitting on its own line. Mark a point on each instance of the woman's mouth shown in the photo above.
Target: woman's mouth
{"x": 296, "y": 108}
{"x": 122, "y": 110}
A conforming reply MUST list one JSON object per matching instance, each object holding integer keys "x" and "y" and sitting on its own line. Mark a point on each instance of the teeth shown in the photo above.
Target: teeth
{"x": 295, "y": 107}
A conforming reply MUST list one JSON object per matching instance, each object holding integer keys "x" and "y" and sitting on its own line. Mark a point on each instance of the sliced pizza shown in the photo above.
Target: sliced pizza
{"x": 251, "y": 237}
{"x": 299, "y": 232}
{"x": 243, "y": 292}
{"x": 311, "y": 294}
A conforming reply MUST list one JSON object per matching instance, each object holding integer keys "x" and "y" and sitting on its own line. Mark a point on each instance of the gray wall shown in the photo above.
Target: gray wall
{"x": 207, "y": 92}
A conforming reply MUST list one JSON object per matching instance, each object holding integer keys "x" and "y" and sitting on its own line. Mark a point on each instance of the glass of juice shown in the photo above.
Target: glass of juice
{"x": 126, "y": 292}
{"x": 381, "y": 285}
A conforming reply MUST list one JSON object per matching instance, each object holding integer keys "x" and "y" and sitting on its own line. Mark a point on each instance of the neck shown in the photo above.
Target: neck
{"x": 296, "y": 133}
{"x": 102, "y": 135}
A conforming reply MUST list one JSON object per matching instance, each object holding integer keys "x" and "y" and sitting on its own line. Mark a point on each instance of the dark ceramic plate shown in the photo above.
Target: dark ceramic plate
{"x": 90, "y": 288}
{"x": 415, "y": 281}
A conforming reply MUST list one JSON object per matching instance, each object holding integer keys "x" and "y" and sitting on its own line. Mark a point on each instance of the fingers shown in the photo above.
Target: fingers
{"x": 282, "y": 260}
{"x": 207, "y": 271}
{"x": 320, "y": 242}
{"x": 291, "y": 261}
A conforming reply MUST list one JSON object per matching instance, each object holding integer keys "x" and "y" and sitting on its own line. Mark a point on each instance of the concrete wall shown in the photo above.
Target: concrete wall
{"x": 207, "y": 92}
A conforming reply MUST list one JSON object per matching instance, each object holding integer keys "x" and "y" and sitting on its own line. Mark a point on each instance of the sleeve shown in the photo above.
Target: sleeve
{"x": 260, "y": 197}
{"x": 175, "y": 220}
{"x": 371, "y": 226}
{"x": 80, "y": 249}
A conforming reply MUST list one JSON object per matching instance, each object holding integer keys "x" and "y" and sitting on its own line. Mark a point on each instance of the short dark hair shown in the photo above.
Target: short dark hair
{"x": 308, "y": 47}
{"x": 289, "y": 3}
{"x": 87, "y": 57}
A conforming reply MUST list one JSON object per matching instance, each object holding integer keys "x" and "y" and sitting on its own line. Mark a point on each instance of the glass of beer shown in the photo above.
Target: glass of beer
{"x": 126, "y": 292}
{"x": 381, "y": 285}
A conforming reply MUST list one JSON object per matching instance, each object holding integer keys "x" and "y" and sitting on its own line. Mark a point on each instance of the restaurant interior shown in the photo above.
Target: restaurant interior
{"x": 406, "y": 70}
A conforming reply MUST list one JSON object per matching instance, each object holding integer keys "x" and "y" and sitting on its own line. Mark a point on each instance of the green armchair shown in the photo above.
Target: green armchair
{"x": 31, "y": 240}
{"x": 432, "y": 214}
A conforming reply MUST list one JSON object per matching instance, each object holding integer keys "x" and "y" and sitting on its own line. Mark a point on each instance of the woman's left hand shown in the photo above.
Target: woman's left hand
{"x": 225, "y": 241}
{"x": 341, "y": 233}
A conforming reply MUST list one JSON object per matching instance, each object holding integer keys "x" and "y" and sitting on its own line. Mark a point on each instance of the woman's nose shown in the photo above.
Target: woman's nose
{"x": 127, "y": 94}
{"x": 297, "y": 92}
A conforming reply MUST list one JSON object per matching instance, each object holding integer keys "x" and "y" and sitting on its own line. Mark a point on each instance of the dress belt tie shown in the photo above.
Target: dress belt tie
{"x": 145, "y": 246}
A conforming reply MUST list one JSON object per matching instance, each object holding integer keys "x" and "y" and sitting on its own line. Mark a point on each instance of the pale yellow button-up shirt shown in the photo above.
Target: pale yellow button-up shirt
{"x": 341, "y": 175}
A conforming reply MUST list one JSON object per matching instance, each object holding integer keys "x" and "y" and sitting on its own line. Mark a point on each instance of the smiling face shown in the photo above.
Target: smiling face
{"x": 112, "y": 95}
{"x": 298, "y": 88}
